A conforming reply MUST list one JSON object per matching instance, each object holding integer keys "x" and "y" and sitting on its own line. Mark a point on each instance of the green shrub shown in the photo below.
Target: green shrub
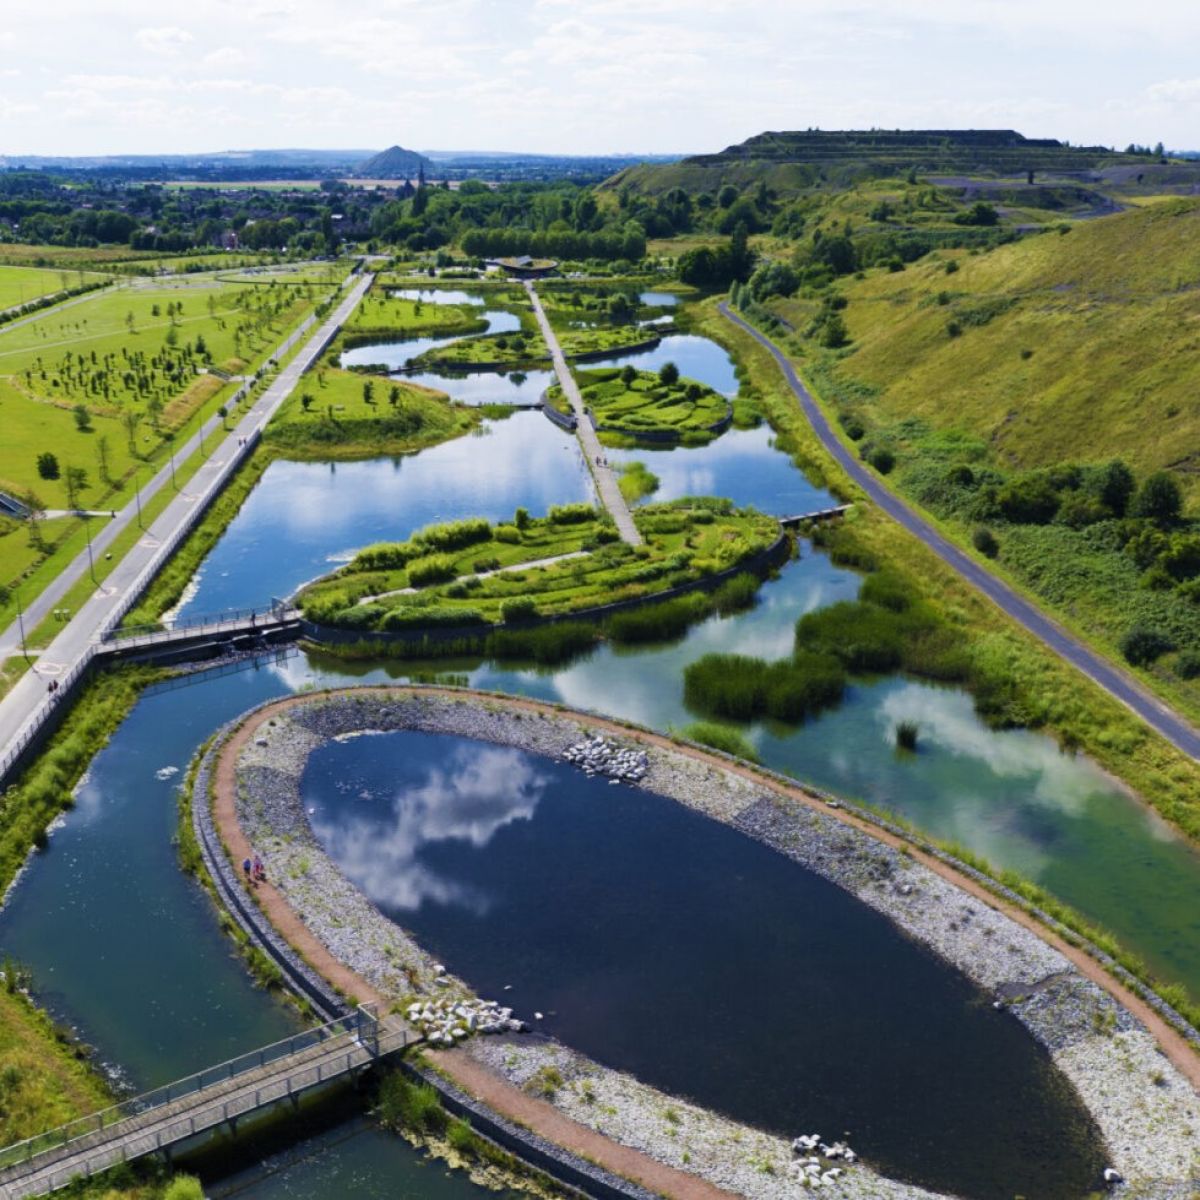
{"x": 404, "y": 1104}
{"x": 547, "y": 645}
{"x": 883, "y": 460}
{"x": 721, "y": 737}
{"x": 519, "y": 608}
{"x": 437, "y": 568}
{"x": 184, "y": 1187}
{"x": 1143, "y": 645}
{"x": 984, "y": 540}
{"x": 571, "y": 514}
{"x": 415, "y": 617}
{"x": 658, "y": 622}
{"x": 462, "y": 1137}
{"x": 509, "y": 534}
{"x": 743, "y": 688}
{"x": 1187, "y": 665}
{"x": 736, "y": 594}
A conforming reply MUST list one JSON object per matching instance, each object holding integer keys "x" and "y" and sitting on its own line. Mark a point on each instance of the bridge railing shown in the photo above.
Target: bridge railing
{"x": 361, "y": 1026}
{"x": 227, "y": 618}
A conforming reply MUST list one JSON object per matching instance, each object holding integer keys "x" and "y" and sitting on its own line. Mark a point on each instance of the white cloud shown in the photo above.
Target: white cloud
{"x": 226, "y": 57}
{"x": 1175, "y": 91}
{"x": 167, "y": 40}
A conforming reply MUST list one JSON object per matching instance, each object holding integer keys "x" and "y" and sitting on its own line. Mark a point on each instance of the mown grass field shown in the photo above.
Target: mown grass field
{"x": 639, "y": 402}
{"x": 20, "y": 285}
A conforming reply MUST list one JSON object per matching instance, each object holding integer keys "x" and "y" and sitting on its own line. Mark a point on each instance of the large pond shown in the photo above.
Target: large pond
{"x": 395, "y": 354}
{"x": 304, "y": 518}
{"x": 696, "y": 357}
{"x": 671, "y": 946}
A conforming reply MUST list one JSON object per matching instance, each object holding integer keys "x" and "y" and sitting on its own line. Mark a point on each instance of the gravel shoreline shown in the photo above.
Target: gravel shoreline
{"x": 1146, "y": 1110}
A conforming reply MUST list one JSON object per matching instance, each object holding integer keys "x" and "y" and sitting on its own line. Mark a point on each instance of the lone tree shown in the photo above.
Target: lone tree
{"x": 47, "y": 465}
{"x": 75, "y": 481}
{"x": 394, "y": 395}
{"x": 1159, "y": 498}
{"x": 306, "y": 401}
{"x": 668, "y": 374}
{"x": 628, "y": 374}
{"x": 1116, "y": 487}
{"x": 83, "y": 418}
{"x": 368, "y": 392}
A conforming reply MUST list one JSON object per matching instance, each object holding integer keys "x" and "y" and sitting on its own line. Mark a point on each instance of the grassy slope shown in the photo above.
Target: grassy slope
{"x": 1052, "y": 695}
{"x": 1110, "y": 311}
{"x": 1092, "y": 354}
{"x": 19, "y": 285}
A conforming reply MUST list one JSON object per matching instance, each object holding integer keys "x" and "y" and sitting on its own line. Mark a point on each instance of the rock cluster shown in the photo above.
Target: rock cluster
{"x": 445, "y": 1021}
{"x": 598, "y": 756}
{"x": 810, "y": 1171}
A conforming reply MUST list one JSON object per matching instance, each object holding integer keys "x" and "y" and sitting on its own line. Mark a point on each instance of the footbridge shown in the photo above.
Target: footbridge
{"x": 220, "y": 1096}
{"x": 815, "y": 517}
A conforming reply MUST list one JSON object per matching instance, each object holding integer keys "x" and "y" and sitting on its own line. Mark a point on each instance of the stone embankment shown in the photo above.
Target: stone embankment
{"x": 1145, "y": 1108}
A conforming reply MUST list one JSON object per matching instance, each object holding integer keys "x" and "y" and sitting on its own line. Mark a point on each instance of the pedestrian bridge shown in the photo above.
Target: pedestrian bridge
{"x": 157, "y": 1121}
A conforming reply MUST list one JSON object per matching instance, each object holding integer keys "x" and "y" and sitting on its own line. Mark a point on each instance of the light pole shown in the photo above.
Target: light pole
{"x": 91, "y": 561}
{"x": 21, "y": 626}
{"x": 173, "y": 483}
{"x": 137, "y": 495}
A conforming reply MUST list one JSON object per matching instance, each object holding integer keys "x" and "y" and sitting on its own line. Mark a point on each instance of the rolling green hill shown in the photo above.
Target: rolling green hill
{"x": 792, "y": 161}
{"x": 996, "y": 388}
{"x": 1075, "y": 346}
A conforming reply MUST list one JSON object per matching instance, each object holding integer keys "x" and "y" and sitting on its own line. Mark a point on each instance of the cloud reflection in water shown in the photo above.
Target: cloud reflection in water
{"x": 479, "y": 792}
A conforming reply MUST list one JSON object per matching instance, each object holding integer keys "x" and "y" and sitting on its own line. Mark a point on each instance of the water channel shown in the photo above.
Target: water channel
{"x": 124, "y": 946}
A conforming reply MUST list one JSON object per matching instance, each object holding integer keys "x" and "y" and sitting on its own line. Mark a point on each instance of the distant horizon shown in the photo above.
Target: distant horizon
{"x": 573, "y": 77}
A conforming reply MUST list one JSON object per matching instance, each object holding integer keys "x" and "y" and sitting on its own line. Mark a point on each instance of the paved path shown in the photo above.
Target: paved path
{"x": 532, "y": 565}
{"x": 605, "y": 477}
{"x": 24, "y": 704}
{"x": 1118, "y": 683}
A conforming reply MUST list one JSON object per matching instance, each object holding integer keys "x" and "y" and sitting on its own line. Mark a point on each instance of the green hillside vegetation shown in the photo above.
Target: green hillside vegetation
{"x": 1001, "y": 393}
{"x": 458, "y": 578}
{"x": 647, "y": 404}
{"x": 796, "y": 160}
{"x": 341, "y": 414}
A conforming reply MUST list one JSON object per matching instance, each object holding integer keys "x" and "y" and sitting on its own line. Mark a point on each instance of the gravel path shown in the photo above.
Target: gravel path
{"x": 1146, "y": 1109}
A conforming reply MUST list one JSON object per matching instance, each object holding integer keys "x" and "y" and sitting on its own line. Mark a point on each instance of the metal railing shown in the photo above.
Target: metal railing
{"x": 360, "y": 1027}
{"x": 269, "y": 614}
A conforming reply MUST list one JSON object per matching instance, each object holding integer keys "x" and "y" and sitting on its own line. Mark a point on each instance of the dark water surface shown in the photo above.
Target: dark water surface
{"x": 675, "y": 948}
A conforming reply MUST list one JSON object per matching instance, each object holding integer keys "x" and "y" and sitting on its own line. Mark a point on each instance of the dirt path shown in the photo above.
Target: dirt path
{"x": 539, "y": 1115}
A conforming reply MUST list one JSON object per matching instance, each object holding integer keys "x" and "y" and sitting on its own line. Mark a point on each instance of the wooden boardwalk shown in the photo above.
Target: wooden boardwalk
{"x": 157, "y": 1121}
{"x": 606, "y": 479}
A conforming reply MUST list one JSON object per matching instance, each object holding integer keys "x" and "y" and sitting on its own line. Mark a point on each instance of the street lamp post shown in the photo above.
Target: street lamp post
{"x": 21, "y": 626}
{"x": 91, "y": 561}
{"x": 137, "y": 495}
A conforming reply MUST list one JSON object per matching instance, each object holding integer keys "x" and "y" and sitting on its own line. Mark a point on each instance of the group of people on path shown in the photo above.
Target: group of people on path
{"x": 254, "y": 871}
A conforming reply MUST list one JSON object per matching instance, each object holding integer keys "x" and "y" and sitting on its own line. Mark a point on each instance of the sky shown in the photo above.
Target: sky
{"x": 585, "y": 76}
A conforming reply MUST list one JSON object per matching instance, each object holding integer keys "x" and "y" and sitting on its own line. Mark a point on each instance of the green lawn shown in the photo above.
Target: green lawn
{"x": 639, "y": 402}
{"x": 346, "y": 414}
{"x": 685, "y": 541}
{"x": 20, "y": 285}
{"x": 381, "y": 315}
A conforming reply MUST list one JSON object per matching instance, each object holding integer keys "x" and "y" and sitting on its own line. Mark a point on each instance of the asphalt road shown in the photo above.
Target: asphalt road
{"x": 1118, "y": 683}
{"x": 25, "y": 703}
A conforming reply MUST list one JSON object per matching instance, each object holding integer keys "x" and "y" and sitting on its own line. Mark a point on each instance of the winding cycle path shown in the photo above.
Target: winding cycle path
{"x": 1117, "y": 683}
{"x": 605, "y": 476}
{"x": 24, "y": 707}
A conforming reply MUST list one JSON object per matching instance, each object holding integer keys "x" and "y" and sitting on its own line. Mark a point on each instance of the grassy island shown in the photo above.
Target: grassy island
{"x": 474, "y": 573}
{"x": 382, "y": 315}
{"x": 652, "y": 406}
{"x": 518, "y": 348}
